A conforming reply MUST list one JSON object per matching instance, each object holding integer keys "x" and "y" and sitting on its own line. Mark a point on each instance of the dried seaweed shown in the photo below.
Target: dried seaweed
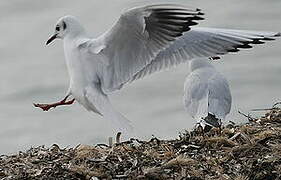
{"x": 240, "y": 152}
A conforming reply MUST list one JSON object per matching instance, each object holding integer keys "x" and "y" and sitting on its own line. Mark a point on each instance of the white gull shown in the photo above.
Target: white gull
{"x": 207, "y": 96}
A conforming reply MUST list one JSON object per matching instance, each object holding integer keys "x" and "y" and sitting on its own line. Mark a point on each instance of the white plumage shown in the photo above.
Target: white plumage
{"x": 206, "y": 92}
{"x": 144, "y": 40}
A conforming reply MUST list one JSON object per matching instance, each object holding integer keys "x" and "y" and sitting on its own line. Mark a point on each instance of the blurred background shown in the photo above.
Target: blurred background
{"x": 31, "y": 72}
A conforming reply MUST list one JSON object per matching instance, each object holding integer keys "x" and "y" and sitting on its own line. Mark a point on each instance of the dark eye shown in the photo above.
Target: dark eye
{"x": 57, "y": 28}
{"x": 64, "y": 25}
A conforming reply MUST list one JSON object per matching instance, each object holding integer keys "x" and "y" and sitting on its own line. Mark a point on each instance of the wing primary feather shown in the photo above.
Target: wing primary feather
{"x": 183, "y": 54}
{"x": 191, "y": 23}
{"x": 268, "y": 39}
{"x": 244, "y": 46}
{"x": 198, "y": 18}
{"x": 201, "y": 51}
{"x": 229, "y": 40}
{"x": 178, "y": 18}
{"x": 174, "y": 23}
{"x": 164, "y": 36}
{"x": 210, "y": 48}
{"x": 218, "y": 48}
{"x": 196, "y": 51}
{"x": 257, "y": 41}
{"x": 157, "y": 39}
{"x": 189, "y": 11}
{"x": 167, "y": 32}
{"x": 233, "y": 50}
{"x": 169, "y": 9}
{"x": 170, "y": 28}
{"x": 176, "y": 13}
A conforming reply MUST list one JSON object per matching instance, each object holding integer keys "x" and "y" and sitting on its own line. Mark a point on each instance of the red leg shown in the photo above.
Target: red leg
{"x": 47, "y": 107}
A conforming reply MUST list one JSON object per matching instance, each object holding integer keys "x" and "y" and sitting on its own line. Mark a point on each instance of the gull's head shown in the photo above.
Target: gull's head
{"x": 66, "y": 26}
{"x": 199, "y": 63}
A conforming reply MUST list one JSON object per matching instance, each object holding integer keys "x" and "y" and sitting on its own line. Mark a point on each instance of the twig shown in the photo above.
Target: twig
{"x": 101, "y": 145}
{"x": 247, "y": 116}
{"x": 276, "y": 104}
{"x": 265, "y": 109}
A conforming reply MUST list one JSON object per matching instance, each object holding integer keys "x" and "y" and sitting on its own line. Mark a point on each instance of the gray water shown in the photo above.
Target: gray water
{"x": 31, "y": 72}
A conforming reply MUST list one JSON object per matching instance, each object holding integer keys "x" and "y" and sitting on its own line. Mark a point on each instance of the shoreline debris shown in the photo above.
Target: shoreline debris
{"x": 239, "y": 152}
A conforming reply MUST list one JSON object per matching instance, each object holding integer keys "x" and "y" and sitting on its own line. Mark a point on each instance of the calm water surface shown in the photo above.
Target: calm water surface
{"x": 31, "y": 72}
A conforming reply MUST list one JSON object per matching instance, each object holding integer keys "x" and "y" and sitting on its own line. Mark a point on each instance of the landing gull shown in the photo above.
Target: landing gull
{"x": 207, "y": 96}
{"x": 144, "y": 40}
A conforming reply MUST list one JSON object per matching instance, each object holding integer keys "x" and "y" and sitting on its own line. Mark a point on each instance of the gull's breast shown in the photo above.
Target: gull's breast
{"x": 82, "y": 72}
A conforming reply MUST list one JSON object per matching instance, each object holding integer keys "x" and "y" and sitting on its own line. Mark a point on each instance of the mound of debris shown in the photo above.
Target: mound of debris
{"x": 248, "y": 151}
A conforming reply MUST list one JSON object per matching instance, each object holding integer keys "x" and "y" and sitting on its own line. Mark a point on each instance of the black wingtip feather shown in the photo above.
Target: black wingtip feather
{"x": 198, "y": 18}
{"x": 172, "y": 13}
{"x": 244, "y": 46}
{"x": 233, "y": 50}
{"x": 170, "y": 9}
{"x": 268, "y": 39}
{"x": 278, "y": 34}
{"x": 191, "y": 23}
{"x": 172, "y": 22}
{"x": 257, "y": 41}
{"x": 185, "y": 28}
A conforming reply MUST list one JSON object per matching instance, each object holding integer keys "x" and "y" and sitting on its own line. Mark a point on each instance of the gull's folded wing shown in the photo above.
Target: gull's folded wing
{"x": 219, "y": 96}
{"x": 196, "y": 96}
{"x": 137, "y": 37}
{"x": 204, "y": 95}
{"x": 204, "y": 42}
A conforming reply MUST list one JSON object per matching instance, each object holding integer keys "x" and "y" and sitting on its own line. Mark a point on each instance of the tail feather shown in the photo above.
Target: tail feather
{"x": 212, "y": 120}
{"x": 209, "y": 122}
{"x": 120, "y": 123}
{"x": 98, "y": 101}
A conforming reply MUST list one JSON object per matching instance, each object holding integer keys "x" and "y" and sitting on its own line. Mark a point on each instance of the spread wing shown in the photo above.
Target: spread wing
{"x": 204, "y": 42}
{"x": 137, "y": 37}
